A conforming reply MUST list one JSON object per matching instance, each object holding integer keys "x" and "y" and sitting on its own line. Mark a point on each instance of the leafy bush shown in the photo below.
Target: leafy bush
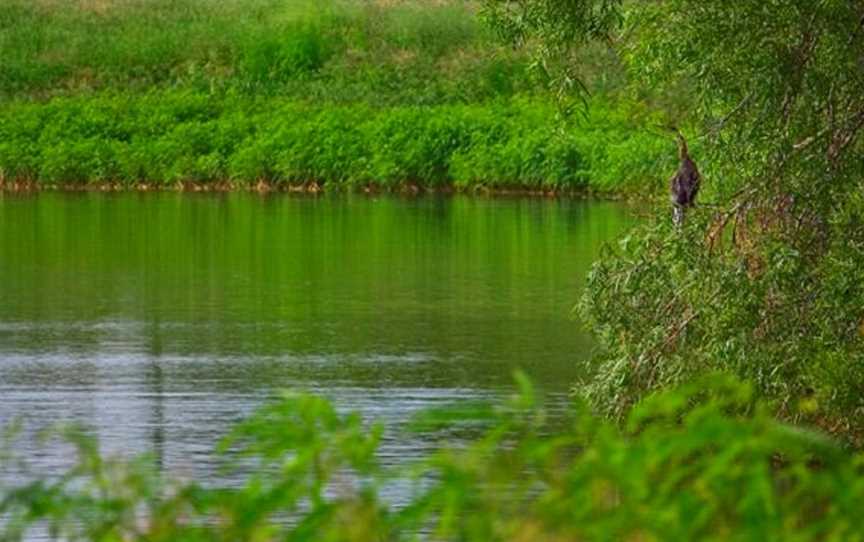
{"x": 706, "y": 462}
{"x": 171, "y": 136}
{"x": 671, "y": 304}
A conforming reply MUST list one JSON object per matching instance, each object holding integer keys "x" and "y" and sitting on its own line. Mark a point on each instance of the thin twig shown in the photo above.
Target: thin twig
{"x": 722, "y": 122}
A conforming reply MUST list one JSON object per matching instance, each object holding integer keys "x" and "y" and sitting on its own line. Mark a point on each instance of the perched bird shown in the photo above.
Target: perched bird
{"x": 685, "y": 184}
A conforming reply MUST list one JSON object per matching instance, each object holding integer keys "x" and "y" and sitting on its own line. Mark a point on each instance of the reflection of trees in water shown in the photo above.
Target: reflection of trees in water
{"x": 155, "y": 384}
{"x": 241, "y": 294}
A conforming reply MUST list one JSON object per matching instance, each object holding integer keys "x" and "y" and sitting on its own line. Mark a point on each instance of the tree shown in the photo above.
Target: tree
{"x": 768, "y": 281}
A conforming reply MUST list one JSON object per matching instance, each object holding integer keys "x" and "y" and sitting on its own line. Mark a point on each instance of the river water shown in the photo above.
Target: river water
{"x": 159, "y": 320}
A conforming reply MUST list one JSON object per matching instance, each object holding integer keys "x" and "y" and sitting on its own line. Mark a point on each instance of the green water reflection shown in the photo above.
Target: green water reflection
{"x": 160, "y": 319}
{"x": 455, "y": 291}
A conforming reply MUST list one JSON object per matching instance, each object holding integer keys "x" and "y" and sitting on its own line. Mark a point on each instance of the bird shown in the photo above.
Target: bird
{"x": 684, "y": 185}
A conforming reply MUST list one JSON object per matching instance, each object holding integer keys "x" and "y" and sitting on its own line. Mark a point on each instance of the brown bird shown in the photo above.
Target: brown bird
{"x": 684, "y": 185}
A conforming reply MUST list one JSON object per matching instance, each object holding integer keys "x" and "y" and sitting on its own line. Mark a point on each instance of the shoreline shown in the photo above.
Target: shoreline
{"x": 310, "y": 188}
{"x": 200, "y": 142}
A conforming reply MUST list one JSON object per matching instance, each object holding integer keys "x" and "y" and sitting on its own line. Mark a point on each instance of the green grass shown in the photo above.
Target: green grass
{"x": 345, "y": 93}
{"x": 173, "y": 136}
{"x": 339, "y": 92}
{"x": 408, "y": 52}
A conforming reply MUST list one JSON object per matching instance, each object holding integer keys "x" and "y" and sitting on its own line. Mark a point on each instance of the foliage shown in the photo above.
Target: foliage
{"x": 705, "y": 462}
{"x": 180, "y": 136}
{"x": 327, "y": 50}
{"x": 237, "y": 92}
{"x": 766, "y": 280}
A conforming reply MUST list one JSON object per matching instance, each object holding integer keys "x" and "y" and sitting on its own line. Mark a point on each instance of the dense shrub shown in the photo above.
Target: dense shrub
{"x": 180, "y": 136}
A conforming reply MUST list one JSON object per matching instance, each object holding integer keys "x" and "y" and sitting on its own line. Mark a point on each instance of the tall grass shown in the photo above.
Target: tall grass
{"x": 411, "y": 52}
{"x": 177, "y": 136}
{"x": 344, "y": 92}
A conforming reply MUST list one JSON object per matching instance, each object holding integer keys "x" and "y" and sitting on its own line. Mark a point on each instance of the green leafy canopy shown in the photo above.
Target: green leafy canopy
{"x": 766, "y": 279}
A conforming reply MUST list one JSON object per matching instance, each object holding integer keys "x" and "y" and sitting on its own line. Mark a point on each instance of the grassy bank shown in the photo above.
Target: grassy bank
{"x": 346, "y": 94}
{"x": 384, "y": 52}
{"x": 174, "y": 136}
{"x": 706, "y": 462}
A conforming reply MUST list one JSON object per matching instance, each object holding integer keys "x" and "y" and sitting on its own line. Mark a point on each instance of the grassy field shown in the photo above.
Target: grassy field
{"x": 405, "y": 52}
{"x": 385, "y": 94}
